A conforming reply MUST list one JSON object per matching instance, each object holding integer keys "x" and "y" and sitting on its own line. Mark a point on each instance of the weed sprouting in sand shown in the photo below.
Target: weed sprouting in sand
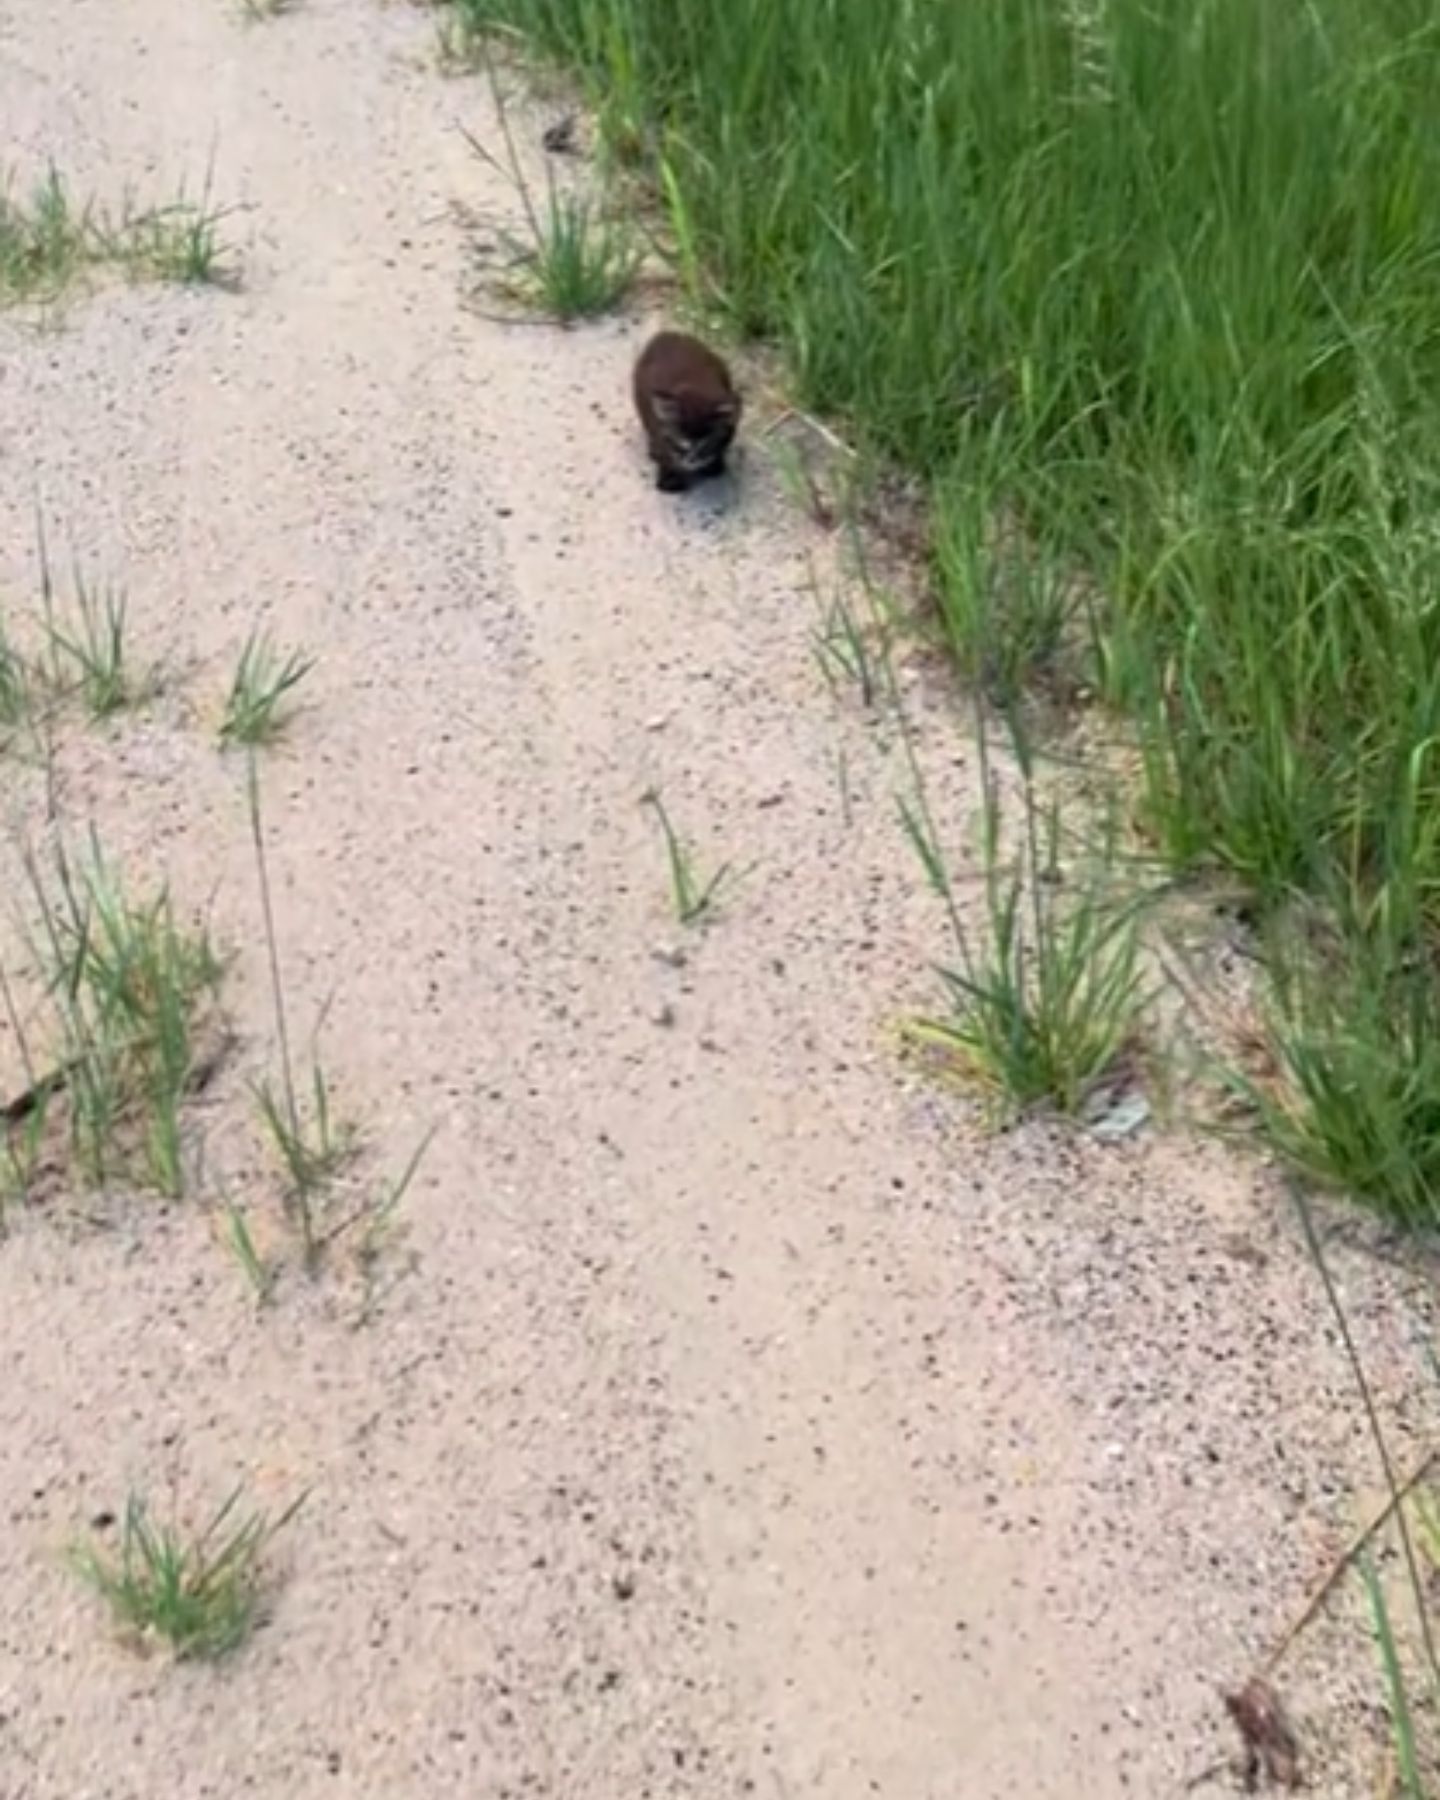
{"x": 311, "y": 1145}
{"x": 260, "y": 705}
{"x": 86, "y": 643}
{"x": 694, "y": 898}
{"x": 133, "y": 992}
{"x": 256, "y": 12}
{"x": 83, "y": 657}
{"x": 197, "y": 1594}
{"x": 378, "y": 1225}
{"x": 88, "y": 655}
{"x": 579, "y": 264}
{"x": 17, "y": 688}
{"x": 574, "y": 260}
{"x": 239, "y": 1240}
{"x": 45, "y": 240}
{"x": 1355, "y": 1052}
{"x": 844, "y": 652}
{"x": 1048, "y": 996}
{"x": 50, "y": 240}
{"x": 180, "y": 242}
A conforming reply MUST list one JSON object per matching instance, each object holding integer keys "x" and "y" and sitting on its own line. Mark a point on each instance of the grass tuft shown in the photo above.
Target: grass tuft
{"x": 573, "y": 261}
{"x": 46, "y": 241}
{"x": 239, "y": 1240}
{"x": 577, "y": 264}
{"x": 89, "y": 653}
{"x": 845, "y": 653}
{"x": 1050, "y": 1002}
{"x": 16, "y": 685}
{"x": 1352, "y": 1098}
{"x": 259, "y": 706}
{"x": 181, "y": 243}
{"x": 197, "y": 1594}
{"x": 50, "y": 241}
{"x": 131, "y": 988}
{"x": 694, "y": 898}
{"x": 311, "y": 1147}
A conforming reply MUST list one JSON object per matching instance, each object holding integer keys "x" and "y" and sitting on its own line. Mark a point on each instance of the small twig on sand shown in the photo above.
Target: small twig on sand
{"x": 1321, "y": 1593}
{"x": 1346, "y": 1558}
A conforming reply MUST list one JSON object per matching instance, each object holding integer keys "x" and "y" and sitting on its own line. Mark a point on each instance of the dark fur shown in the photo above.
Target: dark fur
{"x": 689, "y": 408}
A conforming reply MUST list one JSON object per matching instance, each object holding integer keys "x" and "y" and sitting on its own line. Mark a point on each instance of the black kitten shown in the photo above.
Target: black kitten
{"x": 689, "y": 409}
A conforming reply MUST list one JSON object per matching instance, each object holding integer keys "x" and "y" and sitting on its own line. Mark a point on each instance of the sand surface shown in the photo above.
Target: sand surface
{"x": 741, "y": 1421}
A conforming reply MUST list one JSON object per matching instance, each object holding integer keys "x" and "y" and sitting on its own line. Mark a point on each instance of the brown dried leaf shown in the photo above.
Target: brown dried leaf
{"x": 1271, "y": 1751}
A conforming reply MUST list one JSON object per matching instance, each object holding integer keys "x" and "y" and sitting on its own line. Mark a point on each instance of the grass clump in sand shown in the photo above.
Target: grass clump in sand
{"x": 81, "y": 654}
{"x": 1349, "y": 1096}
{"x": 50, "y": 240}
{"x": 133, "y": 993}
{"x": 1049, "y": 1004}
{"x": 693, "y": 897}
{"x": 1048, "y": 999}
{"x": 260, "y": 703}
{"x": 312, "y": 1146}
{"x": 577, "y": 264}
{"x": 574, "y": 261}
{"x": 16, "y": 688}
{"x": 844, "y": 652}
{"x": 89, "y": 651}
{"x": 197, "y": 1594}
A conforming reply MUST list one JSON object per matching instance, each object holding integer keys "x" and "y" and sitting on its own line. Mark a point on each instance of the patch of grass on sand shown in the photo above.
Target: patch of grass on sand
{"x": 260, "y": 704}
{"x": 133, "y": 993}
{"x": 693, "y": 897}
{"x": 89, "y": 648}
{"x": 197, "y": 1594}
{"x": 51, "y": 240}
{"x": 311, "y": 1145}
{"x": 574, "y": 261}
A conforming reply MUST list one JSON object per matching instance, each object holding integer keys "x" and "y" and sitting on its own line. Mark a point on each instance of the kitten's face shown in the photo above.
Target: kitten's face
{"x": 698, "y": 429}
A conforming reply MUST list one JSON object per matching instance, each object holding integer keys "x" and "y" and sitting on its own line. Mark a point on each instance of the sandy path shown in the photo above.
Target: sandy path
{"x": 745, "y": 1426}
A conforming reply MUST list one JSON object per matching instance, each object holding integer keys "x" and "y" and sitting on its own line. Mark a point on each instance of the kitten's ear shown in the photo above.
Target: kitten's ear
{"x": 667, "y": 408}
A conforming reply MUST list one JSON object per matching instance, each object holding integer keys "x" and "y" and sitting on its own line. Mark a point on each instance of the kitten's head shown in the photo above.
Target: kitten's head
{"x": 697, "y": 427}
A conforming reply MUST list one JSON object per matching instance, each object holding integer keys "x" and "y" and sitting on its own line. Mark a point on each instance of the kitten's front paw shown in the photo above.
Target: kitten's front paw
{"x": 671, "y": 481}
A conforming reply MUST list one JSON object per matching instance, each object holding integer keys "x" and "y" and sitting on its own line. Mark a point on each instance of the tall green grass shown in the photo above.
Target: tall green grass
{"x": 1159, "y": 285}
